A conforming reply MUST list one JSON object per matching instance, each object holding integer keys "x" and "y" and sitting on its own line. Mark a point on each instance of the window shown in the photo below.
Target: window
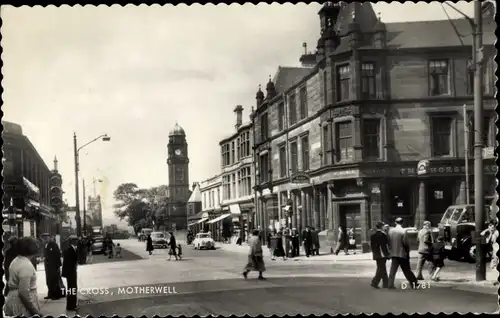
{"x": 264, "y": 168}
{"x": 305, "y": 153}
{"x": 294, "y": 160}
{"x": 226, "y": 187}
{"x": 225, "y": 155}
{"x": 233, "y": 186}
{"x": 238, "y": 146}
{"x": 282, "y": 158}
{"x": 233, "y": 159}
{"x": 441, "y": 136}
{"x": 344, "y": 82}
{"x": 245, "y": 182}
{"x": 344, "y": 140}
{"x": 303, "y": 102}
{"x": 244, "y": 145}
{"x": 281, "y": 116}
{"x": 264, "y": 127}
{"x": 292, "y": 109}
{"x": 438, "y": 77}
{"x": 327, "y": 145}
{"x": 325, "y": 88}
{"x": 371, "y": 138}
{"x": 368, "y": 88}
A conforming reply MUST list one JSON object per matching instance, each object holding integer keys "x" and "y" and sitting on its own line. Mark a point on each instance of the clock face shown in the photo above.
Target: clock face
{"x": 178, "y": 152}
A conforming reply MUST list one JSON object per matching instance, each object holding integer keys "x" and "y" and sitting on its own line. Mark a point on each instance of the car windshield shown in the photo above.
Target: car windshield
{"x": 204, "y": 236}
{"x": 158, "y": 235}
{"x": 447, "y": 215}
{"x": 456, "y": 215}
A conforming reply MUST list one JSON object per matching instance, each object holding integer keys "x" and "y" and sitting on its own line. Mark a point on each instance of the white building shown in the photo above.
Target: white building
{"x": 211, "y": 197}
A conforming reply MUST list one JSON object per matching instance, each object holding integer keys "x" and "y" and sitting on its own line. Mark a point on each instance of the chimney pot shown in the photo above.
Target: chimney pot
{"x": 239, "y": 113}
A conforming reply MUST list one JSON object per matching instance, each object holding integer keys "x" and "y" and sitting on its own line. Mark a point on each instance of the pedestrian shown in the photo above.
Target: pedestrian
{"x": 342, "y": 241}
{"x": 425, "y": 241}
{"x": 179, "y": 251}
{"x": 386, "y": 229}
{"x": 22, "y": 299}
{"x": 173, "y": 245}
{"x": 69, "y": 271}
{"x": 400, "y": 255}
{"x": 490, "y": 238}
{"x": 272, "y": 237}
{"x": 315, "y": 242}
{"x": 149, "y": 244}
{"x": 307, "y": 240}
{"x": 52, "y": 264}
{"x": 255, "y": 256}
{"x": 288, "y": 242}
{"x": 118, "y": 250}
{"x": 90, "y": 243}
{"x": 438, "y": 256}
{"x": 279, "y": 251}
{"x": 295, "y": 243}
{"x": 10, "y": 253}
{"x": 379, "y": 243}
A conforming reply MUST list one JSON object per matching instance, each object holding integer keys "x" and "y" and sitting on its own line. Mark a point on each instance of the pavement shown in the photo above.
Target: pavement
{"x": 210, "y": 282}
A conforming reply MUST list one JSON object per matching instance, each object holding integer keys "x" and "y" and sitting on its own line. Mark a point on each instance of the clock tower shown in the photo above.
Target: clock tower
{"x": 178, "y": 178}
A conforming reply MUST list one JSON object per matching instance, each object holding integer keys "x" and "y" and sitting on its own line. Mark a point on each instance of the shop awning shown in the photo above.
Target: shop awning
{"x": 235, "y": 209}
{"x": 191, "y": 224}
{"x": 30, "y": 185}
{"x": 33, "y": 203}
{"x": 247, "y": 207}
{"x": 201, "y": 221}
{"x": 219, "y": 218}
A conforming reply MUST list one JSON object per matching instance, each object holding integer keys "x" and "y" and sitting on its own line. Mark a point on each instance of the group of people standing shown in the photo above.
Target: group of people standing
{"x": 286, "y": 243}
{"x": 21, "y": 296}
{"x": 174, "y": 248}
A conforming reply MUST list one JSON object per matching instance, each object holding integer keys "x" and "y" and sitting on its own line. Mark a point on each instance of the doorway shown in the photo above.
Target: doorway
{"x": 350, "y": 219}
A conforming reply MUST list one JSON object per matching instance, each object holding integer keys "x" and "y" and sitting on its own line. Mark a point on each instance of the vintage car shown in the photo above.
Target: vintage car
{"x": 457, "y": 226}
{"x": 97, "y": 245}
{"x": 143, "y": 235}
{"x": 203, "y": 240}
{"x": 159, "y": 240}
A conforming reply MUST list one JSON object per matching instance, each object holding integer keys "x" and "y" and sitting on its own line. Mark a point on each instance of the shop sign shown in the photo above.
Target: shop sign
{"x": 488, "y": 152}
{"x": 341, "y": 174}
{"x": 422, "y": 167}
{"x": 449, "y": 169}
{"x": 300, "y": 177}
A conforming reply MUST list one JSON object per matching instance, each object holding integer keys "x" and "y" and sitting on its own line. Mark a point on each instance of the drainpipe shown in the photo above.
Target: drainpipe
{"x": 254, "y": 154}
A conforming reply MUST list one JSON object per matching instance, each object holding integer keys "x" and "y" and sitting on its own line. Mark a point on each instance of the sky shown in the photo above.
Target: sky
{"x": 133, "y": 72}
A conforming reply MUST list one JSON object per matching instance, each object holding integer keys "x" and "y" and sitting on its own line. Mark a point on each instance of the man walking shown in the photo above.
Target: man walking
{"x": 342, "y": 241}
{"x": 380, "y": 250}
{"x": 52, "y": 264}
{"x": 425, "y": 240}
{"x": 307, "y": 240}
{"x": 295, "y": 243}
{"x": 400, "y": 255}
{"x": 69, "y": 270}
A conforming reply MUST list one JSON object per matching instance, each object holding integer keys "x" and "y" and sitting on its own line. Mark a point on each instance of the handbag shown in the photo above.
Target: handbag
{"x": 352, "y": 242}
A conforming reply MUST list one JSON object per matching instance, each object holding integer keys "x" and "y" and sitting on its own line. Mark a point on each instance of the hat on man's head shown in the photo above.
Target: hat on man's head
{"x": 427, "y": 223}
{"x": 399, "y": 220}
{"x": 379, "y": 224}
{"x": 72, "y": 237}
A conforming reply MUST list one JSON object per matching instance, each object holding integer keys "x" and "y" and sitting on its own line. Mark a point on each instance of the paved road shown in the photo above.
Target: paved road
{"x": 126, "y": 256}
{"x": 210, "y": 282}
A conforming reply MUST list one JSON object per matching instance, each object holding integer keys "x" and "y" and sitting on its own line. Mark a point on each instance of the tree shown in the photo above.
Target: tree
{"x": 129, "y": 204}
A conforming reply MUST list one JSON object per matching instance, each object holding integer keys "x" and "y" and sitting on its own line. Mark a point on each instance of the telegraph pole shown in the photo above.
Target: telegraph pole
{"x": 77, "y": 194}
{"x": 477, "y": 56}
{"x": 84, "y": 210}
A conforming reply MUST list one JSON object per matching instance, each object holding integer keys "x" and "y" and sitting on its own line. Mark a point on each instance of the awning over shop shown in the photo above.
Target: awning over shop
{"x": 201, "y": 221}
{"x": 191, "y": 224}
{"x": 197, "y": 216}
{"x": 235, "y": 209}
{"x": 30, "y": 185}
{"x": 247, "y": 207}
{"x": 32, "y": 203}
{"x": 217, "y": 219}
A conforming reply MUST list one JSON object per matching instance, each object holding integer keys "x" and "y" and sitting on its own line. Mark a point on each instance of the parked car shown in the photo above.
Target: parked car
{"x": 159, "y": 240}
{"x": 457, "y": 226}
{"x": 144, "y": 234}
{"x": 97, "y": 245}
{"x": 203, "y": 240}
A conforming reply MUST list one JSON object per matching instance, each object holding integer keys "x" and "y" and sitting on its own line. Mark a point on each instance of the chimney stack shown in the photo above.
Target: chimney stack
{"x": 194, "y": 185}
{"x": 239, "y": 113}
{"x": 55, "y": 163}
{"x": 307, "y": 59}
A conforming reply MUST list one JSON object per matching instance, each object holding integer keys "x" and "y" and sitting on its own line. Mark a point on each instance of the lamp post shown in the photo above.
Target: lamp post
{"x": 76, "y": 151}
{"x": 477, "y": 61}
{"x": 84, "y": 210}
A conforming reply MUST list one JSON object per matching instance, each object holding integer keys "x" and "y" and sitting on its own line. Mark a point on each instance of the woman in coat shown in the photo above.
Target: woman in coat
{"x": 173, "y": 245}
{"x": 10, "y": 253}
{"x": 22, "y": 299}
{"x": 279, "y": 251}
{"x": 255, "y": 256}
{"x": 149, "y": 244}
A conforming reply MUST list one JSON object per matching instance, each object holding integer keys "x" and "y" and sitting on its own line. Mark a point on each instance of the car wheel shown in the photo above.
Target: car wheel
{"x": 471, "y": 254}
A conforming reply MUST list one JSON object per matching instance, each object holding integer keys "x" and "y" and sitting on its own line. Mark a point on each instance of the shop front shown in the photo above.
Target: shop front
{"x": 240, "y": 213}
{"x": 220, "y": 224}
{"x": 198, "y": 222}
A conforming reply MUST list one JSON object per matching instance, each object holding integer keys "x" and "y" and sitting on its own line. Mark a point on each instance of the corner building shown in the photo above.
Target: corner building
{"x": 340, "y": 144}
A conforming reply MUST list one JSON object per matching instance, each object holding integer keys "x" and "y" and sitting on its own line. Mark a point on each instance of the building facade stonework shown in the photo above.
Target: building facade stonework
{"x": 337, "y": 143}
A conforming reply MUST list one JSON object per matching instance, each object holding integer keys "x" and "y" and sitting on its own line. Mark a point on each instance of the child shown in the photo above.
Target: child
{"x": 438, "y": 256}
{"x": 179, "y": 251}
{"x": 118, "y": 250}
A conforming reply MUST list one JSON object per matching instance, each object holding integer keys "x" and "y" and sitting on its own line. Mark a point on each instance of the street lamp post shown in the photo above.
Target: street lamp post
{"x": 477, "y": 61}
{"x": 76, "y": 151}
{"x": 84, "y": 210}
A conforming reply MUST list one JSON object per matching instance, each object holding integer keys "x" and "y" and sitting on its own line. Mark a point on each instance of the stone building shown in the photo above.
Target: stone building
{"x": 237, "y": 175}
{"x": 27, "y": 182}
{"x": 340, "y": 145}
{"x": 211, "y": 196}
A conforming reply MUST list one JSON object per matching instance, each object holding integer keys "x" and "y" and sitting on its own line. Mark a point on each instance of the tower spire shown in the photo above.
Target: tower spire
{"x": 55, "y": 163}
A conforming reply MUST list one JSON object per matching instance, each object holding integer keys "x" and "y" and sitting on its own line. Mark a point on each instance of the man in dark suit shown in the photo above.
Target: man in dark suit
{"x": 52, "y": 264}
{"x": 380, "y": 250}
{"x": 400, "y": 255}
{"x": 69, "y": 270}
{"x": 425, "y": 241}
{"x": 307, "y": 240}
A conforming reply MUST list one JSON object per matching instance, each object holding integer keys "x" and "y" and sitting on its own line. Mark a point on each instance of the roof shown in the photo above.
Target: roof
{"x": 177, "y": 131}
{"x": 286, "y": 77}
{"x": 196, "y": 195}
{"x": 361, "y": 13}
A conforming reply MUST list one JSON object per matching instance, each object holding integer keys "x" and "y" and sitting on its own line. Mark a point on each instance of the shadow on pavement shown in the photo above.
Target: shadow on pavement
{"x": 126, "y": 256}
